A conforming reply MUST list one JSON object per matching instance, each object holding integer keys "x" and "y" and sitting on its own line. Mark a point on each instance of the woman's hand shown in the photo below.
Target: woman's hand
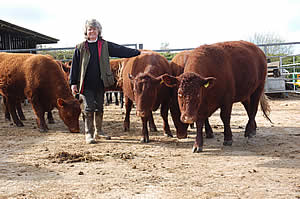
{"x": 74, "y": 89}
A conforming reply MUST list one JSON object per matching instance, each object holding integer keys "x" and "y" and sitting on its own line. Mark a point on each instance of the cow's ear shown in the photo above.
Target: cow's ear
{"x": 169, "y": 80}
{"x": 61, "y": 102}
{"x": 209, "y": 82}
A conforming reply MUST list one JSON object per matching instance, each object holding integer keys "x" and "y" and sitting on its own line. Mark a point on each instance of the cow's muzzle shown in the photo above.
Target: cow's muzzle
{"x": 74, "y": 130}
{"x": 140, "y": 113}
{"x": 186, "y": 119}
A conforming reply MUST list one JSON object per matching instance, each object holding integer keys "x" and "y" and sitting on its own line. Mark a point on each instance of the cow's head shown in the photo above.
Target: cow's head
{"x": 145, "y": 90}
{"x": 192, "y": 91}
{"x": 69, "y": 111}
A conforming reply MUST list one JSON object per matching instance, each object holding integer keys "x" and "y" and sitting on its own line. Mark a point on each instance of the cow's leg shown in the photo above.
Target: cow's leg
{"x": 181, "y": 128}
{"x": 145, "y": 133}
{"x": 164, "y": 114}
{"x": 192, "y": 126}
{"x": 20, "y": 111}
{"x": 5, "y": 108}
{"x": 50, "y": 118}
{"x": 151, "y": 123}
{"x": 40, "y": 120}
{"x": 225, "y": 117}
{"x": 198, "y": 145}
{"x": 109, "y": 97}
{"x": 252, "y": 110}
{"x": 208, "y": 130}
{"x": 7, "y": 114}
{"x": 11, "y": 105}
{"x": 128, "y": 106}
{"x": 116, "y": 97}
{"x": 122, "y": 98}
{"x": 40, "y": 115}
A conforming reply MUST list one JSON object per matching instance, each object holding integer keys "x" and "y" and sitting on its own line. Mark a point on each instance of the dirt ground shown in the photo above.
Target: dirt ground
{"x": 59, "y": 164}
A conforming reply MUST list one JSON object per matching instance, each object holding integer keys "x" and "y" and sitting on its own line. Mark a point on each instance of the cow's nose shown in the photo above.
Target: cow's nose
{"x": 140, "y": 113}
{"x": 74, "y": 130}
{"x": 187, "y": 119}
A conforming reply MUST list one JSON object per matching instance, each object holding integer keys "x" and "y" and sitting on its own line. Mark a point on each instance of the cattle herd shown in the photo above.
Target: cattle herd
{"x": 192, "y": 86}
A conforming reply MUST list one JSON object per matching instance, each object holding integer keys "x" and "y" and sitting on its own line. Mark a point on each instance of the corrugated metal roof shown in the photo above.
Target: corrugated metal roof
{"x": 26, "y": 33}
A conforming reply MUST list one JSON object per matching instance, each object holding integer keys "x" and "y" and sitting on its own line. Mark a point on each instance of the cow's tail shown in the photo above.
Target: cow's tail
{"x": 265, "y": 106}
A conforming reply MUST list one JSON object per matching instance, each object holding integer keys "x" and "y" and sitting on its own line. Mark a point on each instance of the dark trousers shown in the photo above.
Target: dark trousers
{"x": 94, "y": 100}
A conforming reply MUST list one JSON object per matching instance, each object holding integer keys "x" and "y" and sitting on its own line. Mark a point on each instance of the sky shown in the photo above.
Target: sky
{"x": 181, "y": 24}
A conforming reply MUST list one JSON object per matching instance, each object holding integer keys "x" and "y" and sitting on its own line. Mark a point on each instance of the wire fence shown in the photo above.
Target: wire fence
{"x": 288, "y": 81}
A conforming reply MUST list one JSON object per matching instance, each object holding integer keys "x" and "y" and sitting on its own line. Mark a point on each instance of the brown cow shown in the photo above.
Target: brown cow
{"x": 117, "y": 66}
{"x": 178, "y": 63}
{"x": 216, "y": 76}
{"x": 40, "y": 80}
{"x": 146, "y": 89}
{"x": 65, "y": 69}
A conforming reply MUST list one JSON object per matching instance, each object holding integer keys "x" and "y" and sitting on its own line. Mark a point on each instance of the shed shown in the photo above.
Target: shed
{"x": 17, "y": 37}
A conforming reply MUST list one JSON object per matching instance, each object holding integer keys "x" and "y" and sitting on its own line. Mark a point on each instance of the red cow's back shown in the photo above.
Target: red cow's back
{"x": 239, "y": 67}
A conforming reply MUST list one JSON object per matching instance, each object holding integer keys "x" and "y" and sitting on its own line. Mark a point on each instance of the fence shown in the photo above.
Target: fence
{"x": 288, "y": 78}
{"x": 287, "y": 81}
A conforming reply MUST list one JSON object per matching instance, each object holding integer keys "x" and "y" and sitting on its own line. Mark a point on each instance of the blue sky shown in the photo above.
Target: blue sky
{"x": 182, "y": 24}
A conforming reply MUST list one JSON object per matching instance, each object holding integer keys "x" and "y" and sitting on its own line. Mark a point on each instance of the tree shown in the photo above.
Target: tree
{"x": 167, "y": 54}
{"x": 271, "y": 38}
{"x": 164, "y": 46}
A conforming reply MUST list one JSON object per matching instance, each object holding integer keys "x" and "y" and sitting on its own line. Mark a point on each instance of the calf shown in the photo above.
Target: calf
{"x": 117, "y": 67}
{"x": 143, "y": 85}
{"x": 216, "y": 76}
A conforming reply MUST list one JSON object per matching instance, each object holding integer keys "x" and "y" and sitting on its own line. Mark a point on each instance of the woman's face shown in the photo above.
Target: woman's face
{"x": 92, "y": 33}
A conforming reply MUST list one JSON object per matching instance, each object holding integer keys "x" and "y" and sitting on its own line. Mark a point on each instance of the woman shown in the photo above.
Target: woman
{"x": 90, "y": 74}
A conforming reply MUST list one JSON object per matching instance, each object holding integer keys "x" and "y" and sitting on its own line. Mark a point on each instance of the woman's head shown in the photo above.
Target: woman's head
{"x": 92, "y": 29}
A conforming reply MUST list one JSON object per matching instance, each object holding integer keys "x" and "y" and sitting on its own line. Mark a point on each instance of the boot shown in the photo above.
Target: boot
{"x": 89, "y": 127}
{"x": 98, "y": 124}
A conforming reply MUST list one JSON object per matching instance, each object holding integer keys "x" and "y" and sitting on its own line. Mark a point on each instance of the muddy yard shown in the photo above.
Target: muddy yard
{"x": 59, "y": 164}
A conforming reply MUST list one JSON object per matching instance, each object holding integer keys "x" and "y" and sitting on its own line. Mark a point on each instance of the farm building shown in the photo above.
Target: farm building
{"x": 17, "y": 37}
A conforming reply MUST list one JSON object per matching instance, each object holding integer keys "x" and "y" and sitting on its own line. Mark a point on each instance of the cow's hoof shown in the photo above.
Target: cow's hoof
{"x": 51, "y": 121}
{"x": 210, "y": 135}
{"x": 43, "y": 130}
{"x": 227, "y": 143}
{"x": 19, "y": 124}
{"x": 250, "y": 134}
{"x": 22, "y": 118}
{"x": 144, "y": 140}
{"x": 168, "y": 134}
{"x": 126, "y": 128}
{"x": 153, "y": 129}
{"x": 197, "y": 149}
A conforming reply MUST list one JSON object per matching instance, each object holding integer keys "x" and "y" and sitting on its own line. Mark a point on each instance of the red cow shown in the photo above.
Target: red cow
{"x": 40, "y": 80}
{"x": 66, "y": 70}
{"x": 143, "y": 85}
{"x": 216, "y": 76}
{"x": 178, "y": 63}
{"x": 117, "y": 67}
